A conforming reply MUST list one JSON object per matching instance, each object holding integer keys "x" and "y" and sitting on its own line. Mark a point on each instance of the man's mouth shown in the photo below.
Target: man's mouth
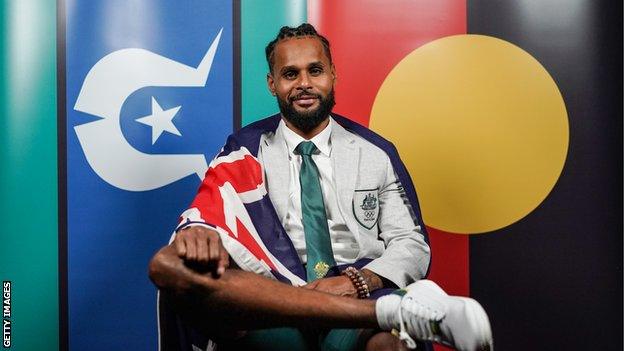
{"x": 305, "y": 100}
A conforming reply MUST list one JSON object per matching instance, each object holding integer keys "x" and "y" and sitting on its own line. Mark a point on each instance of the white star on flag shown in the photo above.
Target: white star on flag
{"x": 160, "y": 120}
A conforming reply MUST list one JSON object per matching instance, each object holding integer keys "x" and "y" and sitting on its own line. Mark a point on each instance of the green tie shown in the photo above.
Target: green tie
{"x": 318, "y": 243}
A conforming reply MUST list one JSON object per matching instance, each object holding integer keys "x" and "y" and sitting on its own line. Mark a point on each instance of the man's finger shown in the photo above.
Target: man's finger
{"x": 191, "y": 247}
{"x": 179, "y": 246}
{"x": 224, "y": 262}
{"x": 215, "y": 246}
{"x": 311, "y": 286}
{"x": 202, "y": 249}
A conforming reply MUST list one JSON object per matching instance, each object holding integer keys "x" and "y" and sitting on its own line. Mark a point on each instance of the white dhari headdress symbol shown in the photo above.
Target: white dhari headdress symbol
{"x": 107, "y": 86}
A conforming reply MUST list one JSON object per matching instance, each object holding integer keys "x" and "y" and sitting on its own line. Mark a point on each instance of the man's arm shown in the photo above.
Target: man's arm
{"x": 406, "y": 257}
{"x": 249, "y": 301}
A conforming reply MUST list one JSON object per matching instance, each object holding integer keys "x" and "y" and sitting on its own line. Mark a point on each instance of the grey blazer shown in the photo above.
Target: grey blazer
{"x": 384, "y": 228}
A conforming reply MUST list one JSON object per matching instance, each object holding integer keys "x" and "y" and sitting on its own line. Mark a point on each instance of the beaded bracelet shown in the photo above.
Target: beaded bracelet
{"x": 358, "y": 281}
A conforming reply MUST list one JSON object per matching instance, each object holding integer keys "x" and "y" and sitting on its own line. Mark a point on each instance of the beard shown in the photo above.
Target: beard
{"x": 307, "y": 121}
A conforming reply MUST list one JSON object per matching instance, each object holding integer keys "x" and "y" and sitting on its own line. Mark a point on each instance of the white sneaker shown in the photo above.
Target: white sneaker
{"x": 427, "y": 313}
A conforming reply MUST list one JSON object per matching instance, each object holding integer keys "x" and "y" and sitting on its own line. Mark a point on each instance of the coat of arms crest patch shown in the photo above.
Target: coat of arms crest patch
{"x": 366, "y": 207}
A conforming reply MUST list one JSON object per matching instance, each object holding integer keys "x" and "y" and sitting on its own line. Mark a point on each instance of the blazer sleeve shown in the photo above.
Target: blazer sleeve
{"x": 407, "y": 255}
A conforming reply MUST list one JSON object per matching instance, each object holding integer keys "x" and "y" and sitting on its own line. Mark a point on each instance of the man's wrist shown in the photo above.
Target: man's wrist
{"x": 373, "y": 280}
{"x": 358, "y": 281}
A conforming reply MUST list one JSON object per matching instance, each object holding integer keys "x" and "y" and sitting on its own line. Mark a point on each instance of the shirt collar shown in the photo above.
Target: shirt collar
{"x": 321, "y": 140}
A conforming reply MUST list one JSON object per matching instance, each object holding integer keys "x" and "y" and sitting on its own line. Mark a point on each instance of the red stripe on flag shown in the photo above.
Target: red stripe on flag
{"x": 450, "y": 265}
{"x": 244, "y": 175}
{"x": 369, "y": 37}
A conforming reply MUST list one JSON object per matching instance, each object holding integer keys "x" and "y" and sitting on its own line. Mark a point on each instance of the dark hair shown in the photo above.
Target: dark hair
{"x": 303, "y": 30}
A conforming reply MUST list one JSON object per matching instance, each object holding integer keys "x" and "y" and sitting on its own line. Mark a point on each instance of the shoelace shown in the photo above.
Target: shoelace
{"x": 423, "y": 318}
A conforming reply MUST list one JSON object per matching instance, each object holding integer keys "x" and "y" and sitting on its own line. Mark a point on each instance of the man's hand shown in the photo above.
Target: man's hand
{"x": 343, "y": 286}
{"x": 201, "y": 249}
{"x": 167, "y": 270}
{"x": 340, "y": 285}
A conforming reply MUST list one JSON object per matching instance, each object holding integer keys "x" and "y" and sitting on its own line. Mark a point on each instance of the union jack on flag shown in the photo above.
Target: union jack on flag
{"x": 232, "y": 192}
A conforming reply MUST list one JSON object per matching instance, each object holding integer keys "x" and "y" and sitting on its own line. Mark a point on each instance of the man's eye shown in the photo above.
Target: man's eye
{"x": 316, "y": 71}
{"x": 290, "y": 75}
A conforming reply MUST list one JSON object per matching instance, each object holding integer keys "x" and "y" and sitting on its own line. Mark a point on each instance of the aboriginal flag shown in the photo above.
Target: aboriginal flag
{"x": 553, "y": 278}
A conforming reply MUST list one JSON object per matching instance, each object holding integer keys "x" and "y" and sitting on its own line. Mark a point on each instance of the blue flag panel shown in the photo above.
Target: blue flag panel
{"x": 149, "y": 101}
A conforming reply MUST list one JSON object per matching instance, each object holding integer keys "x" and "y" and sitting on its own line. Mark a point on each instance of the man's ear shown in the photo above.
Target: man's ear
{"x": 271, "y": 83}
{"x": 334, "y": 75}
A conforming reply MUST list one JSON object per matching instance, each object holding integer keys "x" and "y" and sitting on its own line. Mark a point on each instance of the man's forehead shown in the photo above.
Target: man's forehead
{"x": 299, "y": 50}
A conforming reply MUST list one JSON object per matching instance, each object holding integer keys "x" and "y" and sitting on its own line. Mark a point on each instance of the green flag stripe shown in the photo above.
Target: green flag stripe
{"x": 260, "y": 22}
{"x": 28, "y": 176}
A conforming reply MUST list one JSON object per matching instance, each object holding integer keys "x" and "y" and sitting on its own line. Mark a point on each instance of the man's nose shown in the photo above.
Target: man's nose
{"x": 304, "y": 81}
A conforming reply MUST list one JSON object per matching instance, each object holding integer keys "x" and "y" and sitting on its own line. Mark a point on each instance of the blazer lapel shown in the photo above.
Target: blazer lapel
{"x": 275, "y": 156}
{"x": 345, "y": 161}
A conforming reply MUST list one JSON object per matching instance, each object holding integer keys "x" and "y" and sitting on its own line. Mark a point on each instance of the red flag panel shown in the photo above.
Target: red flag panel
{"x": 368, "y": 39}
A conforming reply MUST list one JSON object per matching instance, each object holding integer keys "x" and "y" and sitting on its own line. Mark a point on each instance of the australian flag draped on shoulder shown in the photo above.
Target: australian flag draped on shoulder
{"x": 233, "y": 200}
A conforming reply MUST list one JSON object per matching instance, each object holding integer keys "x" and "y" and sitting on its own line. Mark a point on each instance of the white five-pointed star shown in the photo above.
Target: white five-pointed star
{"x": 160, "y": 120}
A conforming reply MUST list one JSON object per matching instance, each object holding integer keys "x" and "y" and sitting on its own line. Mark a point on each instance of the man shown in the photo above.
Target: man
{"x": 340, "y": 215}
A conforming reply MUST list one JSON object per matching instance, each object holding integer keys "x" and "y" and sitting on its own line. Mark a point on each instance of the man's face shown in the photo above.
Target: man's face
{"x": 303, "y": 81}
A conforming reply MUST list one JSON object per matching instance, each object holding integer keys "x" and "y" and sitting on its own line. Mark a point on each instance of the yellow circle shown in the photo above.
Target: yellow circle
{"x": 480, "y": 125}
